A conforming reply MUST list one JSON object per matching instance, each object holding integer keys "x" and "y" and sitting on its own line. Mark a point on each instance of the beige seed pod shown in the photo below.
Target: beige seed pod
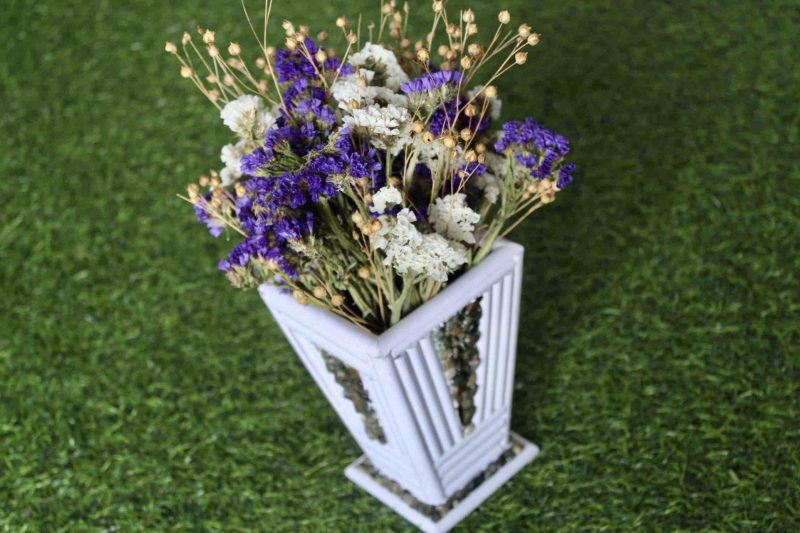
{"x": 394, "y": 181}
{"x": 240, "y": 189}
{"x": 213, "y": 51}
{"x": 320, "y": 56}
{"x": 341, "y": 22}
{"x": 438, "y": 6}
{"x": 171, "y": 48}
{"x": 375, "y": 226}
{"x": 442, "y": 50}
{"x": 466, "y": 62}
{"x": 504, "y": 17}
{"x": 418, "y": 126}
{"x": 449, "y": 141}
{"x": 322, "y": 36}
{"x": 490, "y": 91}
{"x": 234, "y": 49}
{"x": 428, "y": 137}
{"x": 304, "y": 30}
{"x": 363, "y": 272}
{"x": 368, "y": 198}
{"x": 320, "y": 292}
{"x": 186, "y": 72}
{"x": 291, "y": 44}
{"x": 228, "y": 80}
{"x": 352, "y": 38}
{"x": 357, "y": 218}
{"x": 470, "y": 110}
{"x": 533, "y": 39}
{"x": 475, "y": 50}
{"x": 481, "y": 158}
{"x": 300, "y": 296}
{"x": 261, "y": 63}
{"x": 186, "y": 38}
{"x": 471, "y": 29}
{"x": 524, "y": 31}
{"x": 405, "y": 42}
{"x": 470, "y": 156}
{"x": 270, "y": 51}
{"x": 209, "y": 37}
{"x": 466, "y": 134}
{"x": 468, "y": 16}
{"x": 288, "y": 27}
{"x": 521, "y": 57}
{"x": 337, "y": 300}
{"x": 203, "y": 181}
{"x": 423, "y": 55}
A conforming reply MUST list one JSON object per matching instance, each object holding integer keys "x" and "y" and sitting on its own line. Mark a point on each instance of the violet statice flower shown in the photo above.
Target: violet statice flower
{"x": 539, "y": 149}
{"x": 201, "y": 210}
{"x": 429, "y": 82}
{"x": 444, "y": 115}
{"x": 290, "y": 65}
{"x": 531, "y": 134}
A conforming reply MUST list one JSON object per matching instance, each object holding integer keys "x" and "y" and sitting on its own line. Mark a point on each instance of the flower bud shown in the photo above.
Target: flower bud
{"x": 171, "y": 48}
{"x": 521, "y": 57}
{"x": 504, "y": 17}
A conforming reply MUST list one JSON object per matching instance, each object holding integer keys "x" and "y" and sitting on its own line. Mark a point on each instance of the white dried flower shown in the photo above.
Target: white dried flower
{"x": 348, "y": 89}
{"x": 453, "y": 218}
{"x": 381, "y": 61}
{"x": 490, "y": 185}
{"x": 389, "y": 127}
{"x": 385, "y": 198}
{"x": 247, "y": 117}
{"x": 410, "y": 252}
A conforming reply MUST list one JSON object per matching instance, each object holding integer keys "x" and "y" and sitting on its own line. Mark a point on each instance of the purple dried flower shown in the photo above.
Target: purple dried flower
{"x": 431, "y": 81}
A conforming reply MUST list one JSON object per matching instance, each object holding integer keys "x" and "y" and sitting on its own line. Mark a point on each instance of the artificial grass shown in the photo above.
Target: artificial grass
{"x": 659, "y": 366}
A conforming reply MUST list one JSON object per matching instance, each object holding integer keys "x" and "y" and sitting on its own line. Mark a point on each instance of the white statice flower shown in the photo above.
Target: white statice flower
{"x": 388, "y": 128}
{"x": 247, "y": 117}
{"x": 383, "y": 62}
{"x": 385, "y": 198}
{"x": 231, "y": 156}
{"x": 495, "y": 104}
{"x": 348, "y": 91}
{"x": 410, "y": 252}
{"x": 453, "y": 218}
{"x": 490, "y": 185}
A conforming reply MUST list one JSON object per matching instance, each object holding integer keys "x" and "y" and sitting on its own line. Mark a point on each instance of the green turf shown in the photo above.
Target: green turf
{"x": 659, "y": 364}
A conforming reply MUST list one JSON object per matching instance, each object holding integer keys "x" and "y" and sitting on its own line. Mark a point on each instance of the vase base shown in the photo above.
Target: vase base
{"x": 443, "y": 518}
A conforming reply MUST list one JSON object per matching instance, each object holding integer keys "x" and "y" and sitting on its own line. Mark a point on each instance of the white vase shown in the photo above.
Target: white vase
{"x": 424, "y": 456}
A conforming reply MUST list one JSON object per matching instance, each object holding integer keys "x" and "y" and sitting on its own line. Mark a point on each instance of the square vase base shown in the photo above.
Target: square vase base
{"x": 408, "y": 507}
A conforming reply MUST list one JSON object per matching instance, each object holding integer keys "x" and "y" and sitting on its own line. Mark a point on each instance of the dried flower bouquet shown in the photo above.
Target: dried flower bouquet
{"x": 364, "y": 181}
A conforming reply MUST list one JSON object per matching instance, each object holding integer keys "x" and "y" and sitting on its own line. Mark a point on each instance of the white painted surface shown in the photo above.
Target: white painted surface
{"x": 427, "y": 451}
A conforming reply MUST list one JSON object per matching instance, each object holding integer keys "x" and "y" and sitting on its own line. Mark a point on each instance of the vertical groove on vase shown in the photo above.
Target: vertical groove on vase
{"x": 350, "y": 380}
{"x": 418, "y": 408}
{"x": 457, "y": 347}
{"x": 494, "y": 348}
{"x": 446, "y": 401}
{"x": 505, "y": 325}
{"x": 514, "y": 305}
{"x": 484, "y": 347}
{"x": 417, "y": 359}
